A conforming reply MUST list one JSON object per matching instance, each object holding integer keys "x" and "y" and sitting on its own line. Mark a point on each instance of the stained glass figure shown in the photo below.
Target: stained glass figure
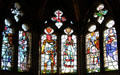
{"x": 93, "y": 52}
{"x": 59, "y": 19}
{"x": 68, "y": 52}
{"x": 100, "y": 14}
{"x": 110, "y": 49}
{"x": 16, "y": 11}
{"x": 7, "y": 47}
{"x": 24, "y": 51}
{"x": 48, "y": 52}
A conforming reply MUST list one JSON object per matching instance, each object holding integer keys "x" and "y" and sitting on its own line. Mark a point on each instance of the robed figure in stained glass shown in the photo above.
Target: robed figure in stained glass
{"x": 110, "y": 49}
{"x": 24, "y": 49}
{"x": 7, "y": 46}
{"x": 69, "y": 60}
{"x": 48, "y": 50}
{"x": 93, "y": 52}
{"x": 111, "y": 46}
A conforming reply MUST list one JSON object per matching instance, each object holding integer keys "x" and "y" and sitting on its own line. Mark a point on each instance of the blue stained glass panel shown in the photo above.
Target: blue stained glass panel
{"x": 110, "y": 49}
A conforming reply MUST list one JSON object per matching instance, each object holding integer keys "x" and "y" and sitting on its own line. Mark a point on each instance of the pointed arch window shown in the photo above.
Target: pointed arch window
{"x": 24, "y": 49}
{"x": 53, "y": 55}
{"x": 109, "y": 36}
{"x": 7, "y": 46}
{"x": 48, "y": 51}
{"x": 68, "y": 52}
{"x": 23, "y": 45}
{"x": 93, "y": 50}
{"x": 110, "y": 47}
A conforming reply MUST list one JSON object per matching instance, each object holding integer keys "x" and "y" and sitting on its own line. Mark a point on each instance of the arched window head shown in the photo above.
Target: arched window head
{"x": 17, "y": 5}
{"x": 68, "y": 52}
{"x": 25, "y": 27}
{"x": 58, "y": 18}
{"x": 92, "y": 28}
{"x": 48, "y": 51}
{"x": 100, "y": 7}
{"x": 101, "y": 10}
{"x": 68, "y": 31}
{"x": 110, "y": 23}
{"x": 7, "y": 22}
{"x": 48, "y": 30}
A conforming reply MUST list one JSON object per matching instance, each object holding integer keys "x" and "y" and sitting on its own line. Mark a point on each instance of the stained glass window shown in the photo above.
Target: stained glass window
{"x": 110, "y": 49}
{"x": 68, "y": 52}
{"x": 59, "y": 19}
{"x": 48, "y": 52}
{"x": 24, "y": 50}
{"x": 7, "y": 46}
{"x": 100, "y": 13}
{"x": 93, "y": 52}
{"x": 16, "y": 11}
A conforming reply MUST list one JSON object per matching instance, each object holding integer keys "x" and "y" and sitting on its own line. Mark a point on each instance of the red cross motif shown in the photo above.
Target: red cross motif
{"x": 58, "y": 14}
{"x": 58, "y": 17}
